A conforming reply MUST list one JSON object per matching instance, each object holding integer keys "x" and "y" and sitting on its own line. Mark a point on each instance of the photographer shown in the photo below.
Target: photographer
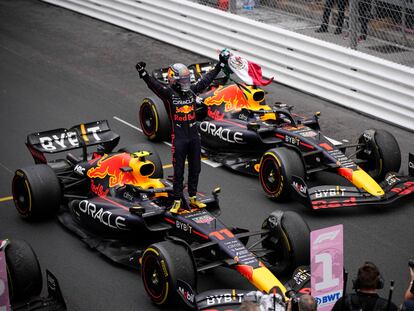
{"x": 366, "y": 298}
{"x": 409, "y": 293}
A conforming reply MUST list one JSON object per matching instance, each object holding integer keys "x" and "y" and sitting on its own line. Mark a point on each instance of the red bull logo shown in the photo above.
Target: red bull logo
{"x": 186, "y": 109}
{"x": 110, "y": 166}
{"x": 231, "y": 97}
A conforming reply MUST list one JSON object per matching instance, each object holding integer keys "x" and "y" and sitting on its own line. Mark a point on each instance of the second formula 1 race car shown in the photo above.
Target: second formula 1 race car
{"x": 239, "y": 130}
{"x": 119, "y": 204}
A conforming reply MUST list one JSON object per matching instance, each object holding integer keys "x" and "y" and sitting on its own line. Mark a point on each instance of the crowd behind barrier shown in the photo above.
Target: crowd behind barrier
{"x": 383, "y": 28}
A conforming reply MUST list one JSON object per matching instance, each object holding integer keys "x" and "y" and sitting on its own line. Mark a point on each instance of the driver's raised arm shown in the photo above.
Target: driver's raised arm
{"x": 206, "y": 80}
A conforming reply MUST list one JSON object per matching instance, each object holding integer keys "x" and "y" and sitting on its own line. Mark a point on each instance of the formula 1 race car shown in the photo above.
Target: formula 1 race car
{"x": 239, "y": 130}
{"x": 21, "y": 280}
{"x": 118, "y": 203}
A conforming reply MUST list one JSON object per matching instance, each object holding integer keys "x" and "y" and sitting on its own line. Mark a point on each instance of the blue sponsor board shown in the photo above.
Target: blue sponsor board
{"x": 329, "y": 298}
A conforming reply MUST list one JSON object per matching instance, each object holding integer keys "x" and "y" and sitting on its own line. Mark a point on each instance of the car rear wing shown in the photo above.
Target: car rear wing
{"x": 196, "y": 72}
{"x": 79, "y": 136}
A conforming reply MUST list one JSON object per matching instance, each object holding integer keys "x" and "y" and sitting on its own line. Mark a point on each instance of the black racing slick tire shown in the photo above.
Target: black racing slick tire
{"x": 154, "y": 157}
{"x": 381, "y": 153}
{"x": 162, "y": 265}
{"x": 277, "y": 166}
{"x": 36, "y": 191}
{"x": 23, "y": 271}
{"x": 288, "y": 241}
{"x": 154, "y": 120}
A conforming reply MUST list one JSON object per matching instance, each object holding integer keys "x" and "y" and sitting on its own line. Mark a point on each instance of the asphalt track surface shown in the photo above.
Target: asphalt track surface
{"x": 59, "y": 68}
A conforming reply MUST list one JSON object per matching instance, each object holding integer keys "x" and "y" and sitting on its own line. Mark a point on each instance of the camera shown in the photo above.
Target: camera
{"x": 411, "y": 263}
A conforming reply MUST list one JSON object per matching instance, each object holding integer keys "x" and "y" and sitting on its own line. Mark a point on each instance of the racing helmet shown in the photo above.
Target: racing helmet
{"x": 179, "y": 77}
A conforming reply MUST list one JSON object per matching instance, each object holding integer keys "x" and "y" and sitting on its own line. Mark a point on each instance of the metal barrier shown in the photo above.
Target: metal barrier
{"x": 344, "y": 76}
{"x": 383, "y": 28}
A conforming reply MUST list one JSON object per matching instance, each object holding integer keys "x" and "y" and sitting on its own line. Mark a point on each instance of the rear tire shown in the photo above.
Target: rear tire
{"x": 163, "y": 264}
{"x": 290, "y": 243}
{"x": 36, "y": 191}
{"x": 381, "y": 152}
{"x": 154, "y": 120}
{"x": 24, "y": 274}
{"x": 154, "y": 157}
{"x": 276, "y": 169}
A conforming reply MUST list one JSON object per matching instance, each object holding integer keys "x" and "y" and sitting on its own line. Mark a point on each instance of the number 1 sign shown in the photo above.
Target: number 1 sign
{"x": 327, "y": 266}
{"x": 4, "y": 293}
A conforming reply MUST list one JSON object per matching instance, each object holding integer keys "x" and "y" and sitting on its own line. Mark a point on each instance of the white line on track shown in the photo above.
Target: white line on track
{"x": 208, "y": 162}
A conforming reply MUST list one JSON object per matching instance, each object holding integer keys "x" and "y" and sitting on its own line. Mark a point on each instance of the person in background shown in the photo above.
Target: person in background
{"x": 366, "y": 298}
{"x": 364, "y": 11}
{"x": 408, "y": 304}
{"x": 179, "y": 98}
{"x": 326, "y": 14}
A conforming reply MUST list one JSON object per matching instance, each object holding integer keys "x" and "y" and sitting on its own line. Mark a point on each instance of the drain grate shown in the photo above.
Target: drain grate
{"x": 387, "y": 48}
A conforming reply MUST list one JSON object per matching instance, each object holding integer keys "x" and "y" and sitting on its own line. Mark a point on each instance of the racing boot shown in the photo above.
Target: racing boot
{"x": 175, "y": 206}
{"x": 195, "y": 203}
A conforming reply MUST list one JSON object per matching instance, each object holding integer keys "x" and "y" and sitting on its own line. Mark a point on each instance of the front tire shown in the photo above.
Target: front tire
{"x": 24, "y": 273}
{"x": 154, "y": 157}
{"x": 163, "y": 264}
{"x": 36, "y": 191}
{"x": 288, "y": 240}
{"x": 276, "y": 169}
{"x": 154, "y": 120}
{"x": 381, "y": 153}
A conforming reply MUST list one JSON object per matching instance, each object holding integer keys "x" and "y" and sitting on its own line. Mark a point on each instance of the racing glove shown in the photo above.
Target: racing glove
{"x": 140, "y": 66}
{"x": 224, "y": 57}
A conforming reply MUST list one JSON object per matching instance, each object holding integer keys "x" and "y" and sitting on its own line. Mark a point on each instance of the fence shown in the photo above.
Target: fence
{"x": 344, "y": 76}
{"x": 384, "y": 28}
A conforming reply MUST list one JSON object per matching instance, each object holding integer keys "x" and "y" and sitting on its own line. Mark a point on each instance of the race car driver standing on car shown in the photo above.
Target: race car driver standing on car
{"x": 179, "y": 98}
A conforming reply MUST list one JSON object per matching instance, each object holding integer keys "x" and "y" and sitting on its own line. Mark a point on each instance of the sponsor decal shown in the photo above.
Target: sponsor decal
{"x": 243, "y": 117}
{"x": 308, "y": 134}
{"x": 342, "y": 160}
{"x": 300, "y": 187}
{"x": 183, "y": 226}
{"x": 215, "y": 115}
{"x": 79, "y": 169}
{"x": 292, "y": 140}
{"x": 186, "y": 294}
{"x": 203, "y": 219}
{"x": 104, "y": 217}
{"x": 224, "y": 298}
{"x": 223, "y": 134}
{"x": 332, "y": 204}
{"x": 54, "y": 142}
{"x": 178, "y": 101}
{"x": 230, "y": 96}
{"x": 98, "y": 189}
{"x": 128, "y": 196}
{"x": 327, "y": 266}
{"x": 391, "y": 179}
{"x": 331, "y": 192}
{"x": 110, "y": 166}
{"x": 186, "y": 109}
{"x": 186, "y": 117}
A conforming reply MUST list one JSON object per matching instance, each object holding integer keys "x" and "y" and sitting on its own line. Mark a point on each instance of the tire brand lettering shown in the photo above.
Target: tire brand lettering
{"x": 224, "y": 134}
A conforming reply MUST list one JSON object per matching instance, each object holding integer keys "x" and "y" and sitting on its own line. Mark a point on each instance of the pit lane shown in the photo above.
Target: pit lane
{"x": 59, "y": 69}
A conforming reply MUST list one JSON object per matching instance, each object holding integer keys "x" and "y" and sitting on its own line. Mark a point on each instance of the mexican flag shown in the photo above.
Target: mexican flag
{"x": 249, "y": 72}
